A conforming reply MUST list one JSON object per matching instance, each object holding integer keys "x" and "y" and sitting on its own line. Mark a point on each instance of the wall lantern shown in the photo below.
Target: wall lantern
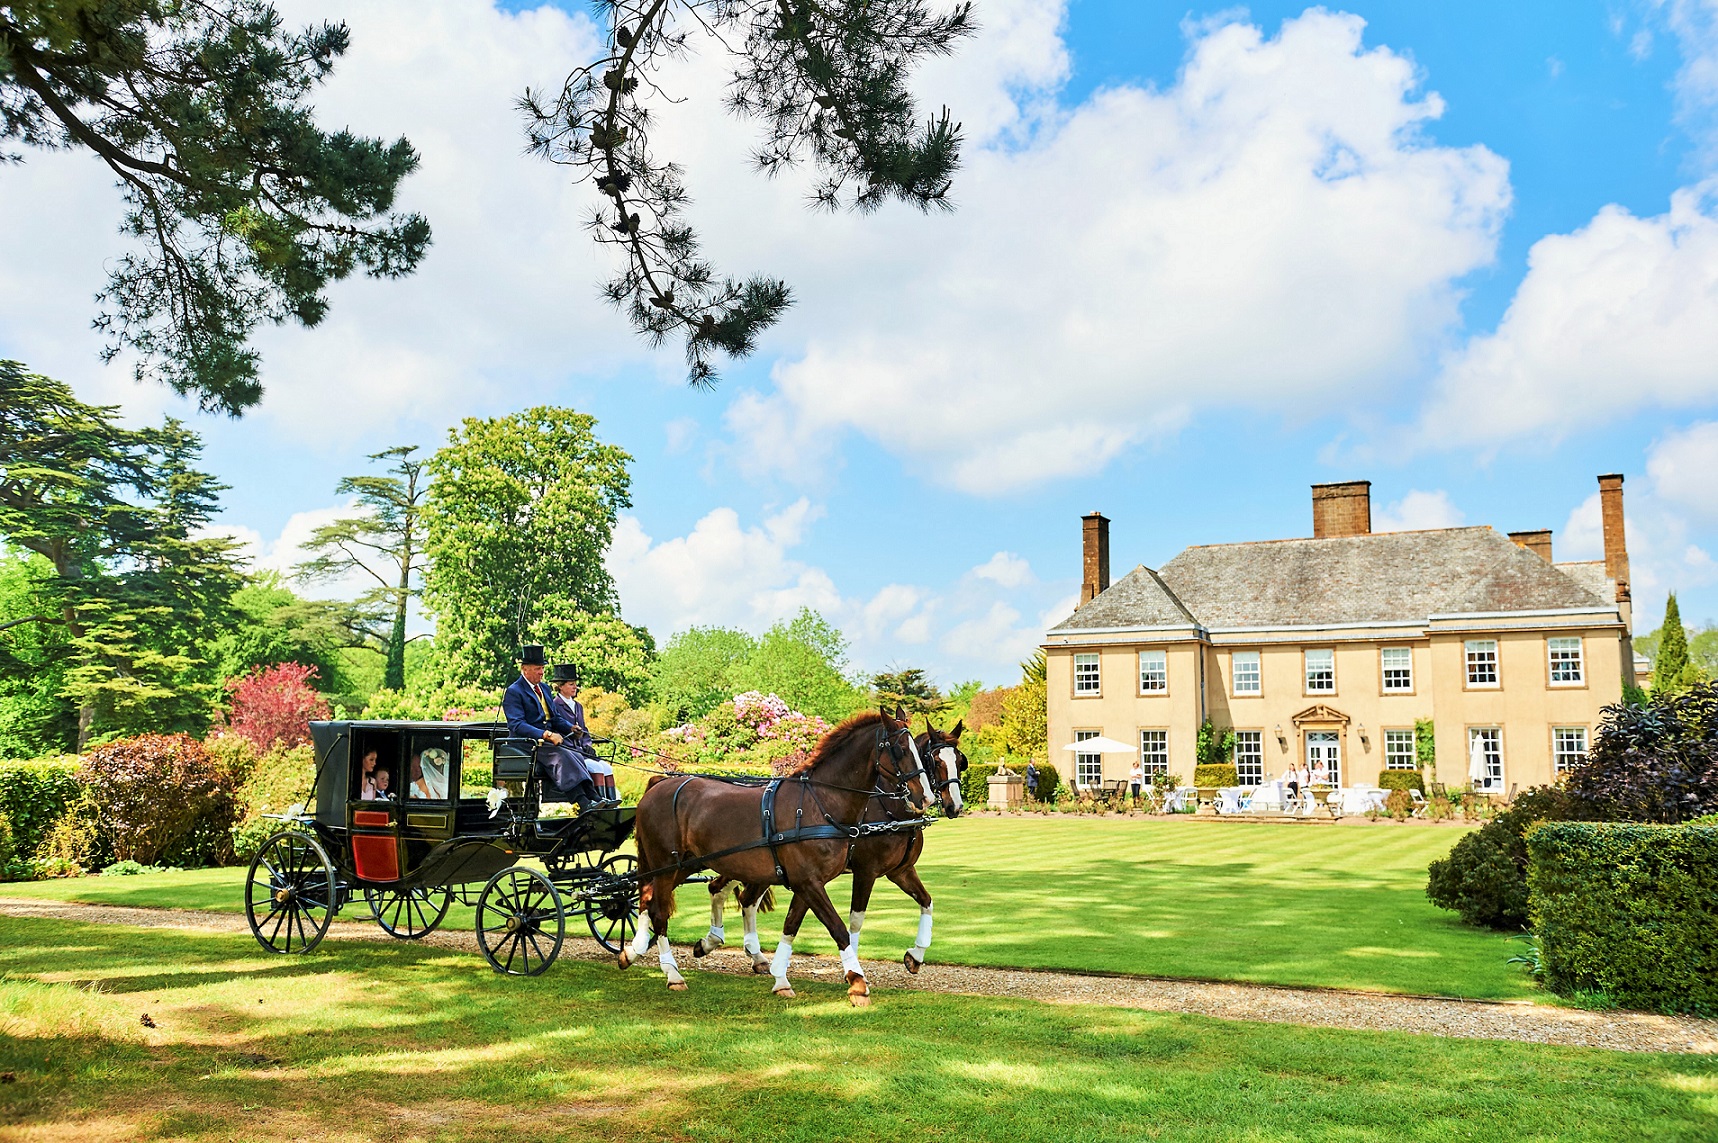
{"x": 1281, "y": 741}
{"x": 1364, "y": 741}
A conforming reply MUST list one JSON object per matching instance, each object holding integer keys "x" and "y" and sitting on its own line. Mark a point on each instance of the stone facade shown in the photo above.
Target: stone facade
{"x": 1331, "y": 650}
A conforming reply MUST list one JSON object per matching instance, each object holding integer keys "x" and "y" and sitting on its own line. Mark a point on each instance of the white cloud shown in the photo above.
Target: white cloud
{"x": 1005, "y": 568}
{"x": 1272, "y": 228}
{"x": 1419, "y": 510}
{"x": 1662, "y": 556}
{"x": 1684, "y": 469}
{"x": 1694, "y": 23}
{"x": 1618, "y": 316}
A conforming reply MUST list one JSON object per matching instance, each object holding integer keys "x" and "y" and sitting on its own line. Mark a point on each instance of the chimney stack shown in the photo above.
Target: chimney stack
{"x": 1539, "y": 542}
{"x": 1342, "y": 509}
{"x": 1095, "y": 531}
{"x": 1616, "y": 544}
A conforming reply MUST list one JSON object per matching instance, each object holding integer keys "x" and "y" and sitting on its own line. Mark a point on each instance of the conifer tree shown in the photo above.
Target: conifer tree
{"x": 1672, "y": 661}
{"x": 828, "y": 79}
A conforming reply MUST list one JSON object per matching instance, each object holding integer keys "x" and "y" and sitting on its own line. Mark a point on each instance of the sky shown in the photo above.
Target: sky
{"x": 1201, "y": 258}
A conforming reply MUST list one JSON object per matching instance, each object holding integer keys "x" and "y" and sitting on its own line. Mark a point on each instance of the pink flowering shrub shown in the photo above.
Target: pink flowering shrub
{"x": 273, "y": 706}
{"x": 773, "y": 720}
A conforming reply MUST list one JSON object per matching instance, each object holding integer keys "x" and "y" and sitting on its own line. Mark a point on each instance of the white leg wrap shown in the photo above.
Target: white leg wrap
{"x": 778, "y": 963}
{"x": 752, "y": 947}
{"x": 924, "y": 941}
{"x": 641, "y": 940}
{"x": 665, "y": 957}
{"x": 713, "y": 939}
{"x": 850, "y": 959}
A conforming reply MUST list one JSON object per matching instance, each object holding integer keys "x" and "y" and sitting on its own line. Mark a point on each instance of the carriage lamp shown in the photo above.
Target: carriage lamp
{"x": 1364, "y": 741}
{"x": 1281, "y": 741}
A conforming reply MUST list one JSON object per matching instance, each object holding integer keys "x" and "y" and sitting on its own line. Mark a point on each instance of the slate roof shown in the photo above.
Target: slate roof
{"x": 1387, "y": 577}
{"x": 1590, "y": 574}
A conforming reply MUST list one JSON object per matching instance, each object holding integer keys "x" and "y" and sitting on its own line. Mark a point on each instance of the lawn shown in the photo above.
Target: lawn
{"x": 410, "y": 1043}
{"x": 1273, "y": 903}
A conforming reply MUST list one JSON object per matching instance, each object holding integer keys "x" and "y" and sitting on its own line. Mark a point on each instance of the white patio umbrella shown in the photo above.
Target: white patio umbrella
{"x": 1101, "y": 745}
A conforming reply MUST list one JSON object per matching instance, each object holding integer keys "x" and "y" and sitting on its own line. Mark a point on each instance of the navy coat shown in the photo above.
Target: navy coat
{"x": 524, "y": 711}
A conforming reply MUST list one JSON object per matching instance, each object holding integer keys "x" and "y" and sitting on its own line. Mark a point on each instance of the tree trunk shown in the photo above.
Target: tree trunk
{"x": 394, "y": 673}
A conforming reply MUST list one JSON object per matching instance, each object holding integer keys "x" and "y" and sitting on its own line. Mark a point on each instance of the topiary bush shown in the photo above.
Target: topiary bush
{"x": 161, "y": 798}
{"x": 1401, "y": 780}
{"x": 1485, "y": 876}
{"x": 34, "y": 795}
{"x": 1049, "y": 781}
{"x": 1220, "y": 774}
{"x": 1629, "y": 911}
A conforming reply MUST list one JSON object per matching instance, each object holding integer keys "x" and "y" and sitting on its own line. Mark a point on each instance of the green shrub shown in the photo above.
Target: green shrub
{"x": 1222, "y": 774}
{"x": 1049, "y": 781}
{"x": 975, "y": 784}
{"x": 1485, "y": 876}
{"x": 76, "y": 843}
{"x": 1628, "y": 910}
{"x": 33, "y": 795}
{"x": 8, "y": 853}
{"x": 1399, "y": 805}
{"x": 1401, "y": 780}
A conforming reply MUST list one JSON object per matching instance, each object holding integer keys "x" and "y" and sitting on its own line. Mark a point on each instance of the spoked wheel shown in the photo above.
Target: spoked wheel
{"x": 409, "y": 913}
{"x": 290, "y": 893}
{"x": 613, "y": 917}
{"x": 520, "y": 922}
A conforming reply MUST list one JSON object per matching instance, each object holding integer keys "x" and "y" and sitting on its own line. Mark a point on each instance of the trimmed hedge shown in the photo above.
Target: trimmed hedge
{"x": 975, "y": 784}
{"x": 1401, "y": 780}
{"x": 1628, "y": 910}
{"x": 35, "y": 795}
{"x": 1216, "y": 775}
{"x": 1049, "y": 779}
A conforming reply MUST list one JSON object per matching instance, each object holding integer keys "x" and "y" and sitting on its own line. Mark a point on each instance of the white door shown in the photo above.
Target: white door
{"x": 1324, "y": 750}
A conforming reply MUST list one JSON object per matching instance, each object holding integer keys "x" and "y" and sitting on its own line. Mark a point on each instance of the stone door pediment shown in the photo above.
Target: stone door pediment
{"x": 1318, "y": 713}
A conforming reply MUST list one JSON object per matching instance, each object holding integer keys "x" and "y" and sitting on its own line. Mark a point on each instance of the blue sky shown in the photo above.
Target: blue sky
{"x": 1204, "y": 257}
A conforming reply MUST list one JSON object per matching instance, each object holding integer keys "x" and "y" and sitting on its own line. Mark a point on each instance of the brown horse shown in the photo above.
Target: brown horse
{"x": 891, "y": 855}
{"x": 688, "y": 823}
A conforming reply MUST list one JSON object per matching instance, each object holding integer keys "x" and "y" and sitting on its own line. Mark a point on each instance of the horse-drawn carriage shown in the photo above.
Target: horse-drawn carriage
{"x": 409, "y": 815}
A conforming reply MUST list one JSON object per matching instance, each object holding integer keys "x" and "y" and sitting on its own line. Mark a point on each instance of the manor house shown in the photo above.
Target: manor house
{"x": 1329, "y": 650}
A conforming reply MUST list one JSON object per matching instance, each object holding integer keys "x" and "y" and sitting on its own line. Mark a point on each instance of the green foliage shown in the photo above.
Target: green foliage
{"x": 388, "y": 529}
{"x": 1628, "y": 910}
{"x": 35, "y": 714}
{"x": 520, "y": 515}
{"x": 1025, "y": 718}
{"x": 1214, "y": 748}
{"x": 1657, "y": 762}
{"x": 699, "y": 668}
{"x": 975, "y": 784}
{"x": 240, "y": 209}
{"x": 1036, "y": 669}
{"x": 1426, "y": 745}
{"x": 1672, "y": 659}
{"x": 11, "y": 868}
{"x": 429, "y": 698}
{"x": 1218, "y": 774}
{"x": 910, "y": 688}
{"x": 610, "y": 652}
{"x": 35, "y": 795}
{"x": 272, "y": 624}
{"x": 804, "y": 661}
{"x": 1484, "y": 878}
{"x": 1401, "y": 780}
{"x": 1049, "y": 781}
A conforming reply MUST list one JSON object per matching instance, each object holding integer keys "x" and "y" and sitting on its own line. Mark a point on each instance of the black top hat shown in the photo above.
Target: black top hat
{"x": 565, "y": 673}
{"x": 531, "y": 655}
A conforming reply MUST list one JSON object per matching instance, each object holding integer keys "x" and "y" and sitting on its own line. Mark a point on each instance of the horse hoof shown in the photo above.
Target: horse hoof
{"x": 760, "y": 966}
{"x": 785, "y": 993}
{"x": 699, "y": 950}
{"x": 677, "y": 986}
{"x": 624, "y": 959}
{"x": 912, "y": 965}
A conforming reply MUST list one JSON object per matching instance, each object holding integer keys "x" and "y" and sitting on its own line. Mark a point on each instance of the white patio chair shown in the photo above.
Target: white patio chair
{"x": 1420, "y": 804}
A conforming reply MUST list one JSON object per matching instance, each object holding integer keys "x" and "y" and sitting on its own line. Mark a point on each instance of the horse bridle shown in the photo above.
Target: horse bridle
{"x": 938, "y": 785}
{"x": 896, "y": 754}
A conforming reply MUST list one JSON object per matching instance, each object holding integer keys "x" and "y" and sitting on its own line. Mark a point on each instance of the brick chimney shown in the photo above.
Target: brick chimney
{"x": 1095, "y": 532}
{"x": 1616, "y": 544}
{"x": 1342, "y": 509}
{"x": 1539, "y": 542}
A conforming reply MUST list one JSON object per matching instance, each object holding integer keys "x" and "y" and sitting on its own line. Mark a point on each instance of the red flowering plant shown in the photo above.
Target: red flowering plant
{"x": 273, "y": 706}
{"x": 160, "y": 796}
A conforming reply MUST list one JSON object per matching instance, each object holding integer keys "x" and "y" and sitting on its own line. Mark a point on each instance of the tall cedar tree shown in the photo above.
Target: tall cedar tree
{"x": 116, "y": 514}
{"x": 909, "y": 688}
{"x": 1672, "y": 660}
{"x": 828, "y": 78}
{"x": 241, "y": 209}
{"x": 519, "y": 515}
{"x": 389, "y": 531}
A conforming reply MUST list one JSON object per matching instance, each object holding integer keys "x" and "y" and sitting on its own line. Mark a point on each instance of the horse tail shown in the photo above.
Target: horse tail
{"x": 766, "y": 903}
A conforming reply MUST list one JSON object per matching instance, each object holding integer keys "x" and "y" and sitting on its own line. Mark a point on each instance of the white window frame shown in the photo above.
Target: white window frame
{"x": 1553, "y": 664}
{"x": 1475, "y": 662}
{"x": 1306, "y": 663}
{"x": 1159, "y": 672}
{"x": 1153, "y": 752}
{"x": 1252, "y": 658}
{"x": 1492, "y": 736}
{"x": 1401, "y": 752}
{"x": 1330, "y": 738}
{"x": 1094, "y": 686}
{"x": 1088, "y": 768}
{"x": 1254, "y": 772}
{"x": 1385, "y": 667}
{"x": 1568, "y": 743}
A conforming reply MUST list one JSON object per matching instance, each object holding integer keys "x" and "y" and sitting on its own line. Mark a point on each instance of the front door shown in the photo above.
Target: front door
{"x": 1324, "y": 756}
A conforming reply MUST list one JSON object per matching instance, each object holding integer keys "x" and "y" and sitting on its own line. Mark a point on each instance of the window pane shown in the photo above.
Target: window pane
{"x": 1088, "y": 768}
{"x": 1565, "y": 660}
{"x": 1249, "y": 757}
{"x": 1569, "y": 747}
{"x": 1246, "y": 670}
{"x": 1154, "y": 752}
{"x": 1153, "y": 672}
{"x": 1321, "y": 671}
{"x": 428, "y": 765}
{"x": 1399, "y": 751}
{"x": 1481, "y": 662}
{"x": 1485, "y": 758}
{"x": 1398, "y": 668}
{"x": 1085, "y": 674}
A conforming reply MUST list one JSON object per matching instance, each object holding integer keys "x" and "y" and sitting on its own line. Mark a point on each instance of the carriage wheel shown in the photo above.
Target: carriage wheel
{"x": 520, "y": 922}
{"x": 409, "y": 913}
{"x": 613, "y": 917}
{"x": 290, "y": 894}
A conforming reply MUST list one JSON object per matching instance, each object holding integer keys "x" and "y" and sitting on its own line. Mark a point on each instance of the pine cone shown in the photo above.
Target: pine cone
{"x": 623, "y": 36}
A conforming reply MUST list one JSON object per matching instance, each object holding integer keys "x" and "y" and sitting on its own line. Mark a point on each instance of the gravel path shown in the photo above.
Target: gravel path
{"x": 1324, "y": 1008}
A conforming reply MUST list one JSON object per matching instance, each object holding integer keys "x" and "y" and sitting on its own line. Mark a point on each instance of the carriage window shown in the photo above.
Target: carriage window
{"x": 429, "y": 766}
{"x": 375, "y": 767}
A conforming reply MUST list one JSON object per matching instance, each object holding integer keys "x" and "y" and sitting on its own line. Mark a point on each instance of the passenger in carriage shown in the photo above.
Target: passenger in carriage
{"x": 367, "y": 777}
{"x": 530, "y": 715}
{"x": 377, "y": 789}
{"x": 566, "y": 704}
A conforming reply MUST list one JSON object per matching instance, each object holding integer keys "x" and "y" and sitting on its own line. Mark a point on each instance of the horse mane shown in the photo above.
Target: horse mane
{"x": 837, "y": 739}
